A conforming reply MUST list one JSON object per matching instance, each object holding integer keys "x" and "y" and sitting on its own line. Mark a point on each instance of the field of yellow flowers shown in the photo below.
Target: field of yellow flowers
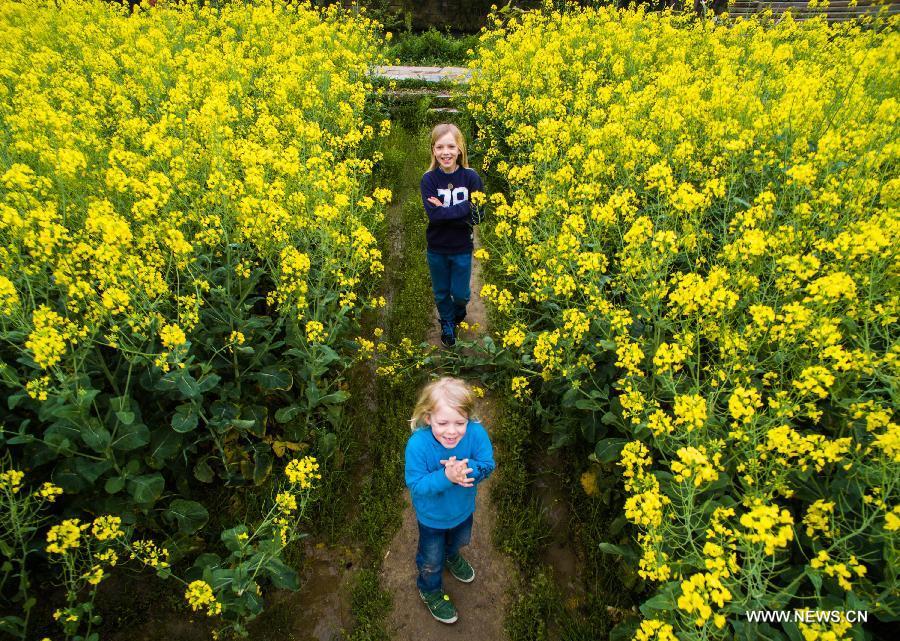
{"x": 695, "y": 265}
{"x": 186, "y": 247}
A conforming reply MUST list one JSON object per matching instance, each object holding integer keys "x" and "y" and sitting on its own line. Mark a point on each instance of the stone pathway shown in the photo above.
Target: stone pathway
{"x": 427, "y": 74}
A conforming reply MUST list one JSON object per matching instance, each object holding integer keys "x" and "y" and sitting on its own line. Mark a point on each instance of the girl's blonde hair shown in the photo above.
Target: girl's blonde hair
{"x": 454, "y": 392}
{"x": 441, "y": 130}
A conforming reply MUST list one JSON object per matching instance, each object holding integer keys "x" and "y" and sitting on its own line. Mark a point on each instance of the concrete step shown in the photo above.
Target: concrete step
{"x": 437, "y": 95}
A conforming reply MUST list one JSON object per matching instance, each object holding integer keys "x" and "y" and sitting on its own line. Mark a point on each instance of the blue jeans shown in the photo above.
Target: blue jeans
{"x": 435, "y": 547}
{"x": 450, "y": 278}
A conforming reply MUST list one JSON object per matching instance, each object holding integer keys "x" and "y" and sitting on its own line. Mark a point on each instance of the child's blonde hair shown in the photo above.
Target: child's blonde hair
{"x": 440, "y": 131}
{"x": 454, "y": 392}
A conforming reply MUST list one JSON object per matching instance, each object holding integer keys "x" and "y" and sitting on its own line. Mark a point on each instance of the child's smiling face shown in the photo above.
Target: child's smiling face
{"x": 447, "y": 152}
{"x": 447, "y": 425}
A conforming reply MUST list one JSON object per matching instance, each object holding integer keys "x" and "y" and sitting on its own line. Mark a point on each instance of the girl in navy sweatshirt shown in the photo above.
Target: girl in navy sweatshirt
{"x": 446, "y": 188}
{"x": 448, "y": 454}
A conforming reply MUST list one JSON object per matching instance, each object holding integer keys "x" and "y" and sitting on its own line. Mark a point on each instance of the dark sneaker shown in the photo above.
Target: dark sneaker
{"x": 448, "y": 337}
{"x": 460, "y": 569}
{"x": 440, "y": 606}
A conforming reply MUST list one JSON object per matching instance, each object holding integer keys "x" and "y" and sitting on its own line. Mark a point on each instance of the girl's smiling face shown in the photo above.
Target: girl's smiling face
{"x": 446, "y": 151}
{"x": 447, "y": 425}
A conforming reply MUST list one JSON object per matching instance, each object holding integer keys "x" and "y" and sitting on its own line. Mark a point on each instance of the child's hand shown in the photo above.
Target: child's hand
{"x": 458, "y": 471}
{"x": 437, "y": 202}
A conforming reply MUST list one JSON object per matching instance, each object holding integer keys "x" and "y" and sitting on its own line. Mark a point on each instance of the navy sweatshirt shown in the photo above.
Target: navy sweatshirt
{"x": 450, "y": 226}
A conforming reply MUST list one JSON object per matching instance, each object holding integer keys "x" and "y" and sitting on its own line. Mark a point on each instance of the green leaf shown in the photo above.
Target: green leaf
{"x": 609, "y": 548}
{"x": 146, "y": 488}
{"x": 169, "y": 382}
{"x": 312, "y": 394}
{"x": 13, "y": 625}
{"x": 327, "y": 356}
{"x": 164, "y": 445}
{"x": 203, "y": 472}
{"x": 262, "y": 463}
{"x": 13, "y": 400}
{"x": 185, "y": 419}
{"x": 114, "y": 485}
{"x": 618, "y": 524}
{"x": 334, "y": 398}
{"x": 274, "y": 378}
{"x": 327, "y": 445}
{"x": 94, "y": 435}
{"x": 131, "y": 437}
{"x": 85, "y": 397}
{"x": 224, "y": 411}
{"x": 570, "y": 397}
{"x": 71, "y": 413}
{"x": 209, "y": 382}
{"x": 286, "y": 414}
{"x": 120, "y": 403}
{"x": 627, "y": 552}
{"x": 243, "y": 424}
{"x": 662, "y": 602}
{"x": 9, "y": 376}
{"x": 57, "y": 442}
{"x": 588, "y": 404}
{"x": 792, "y": 631}
{"x": 125, "y": 418}
{"x": 260, "y": 416}
{"x": 91, "y": 470}
{"x": 232, "y": 537}
{"x": 70, "y": 480}
{"x": 600, "y": 393}
{"x": 188, "y": 385}
{"x": 591, "y": 427}
{"x": 191, "y": 516}
{"x": 282, "y": 575}
{"x": 208, "y": 561}
{"x": 608, "y": 449}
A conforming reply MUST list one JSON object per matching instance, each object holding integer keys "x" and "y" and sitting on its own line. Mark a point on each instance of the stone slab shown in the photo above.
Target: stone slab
{"x": 427, "y": 74}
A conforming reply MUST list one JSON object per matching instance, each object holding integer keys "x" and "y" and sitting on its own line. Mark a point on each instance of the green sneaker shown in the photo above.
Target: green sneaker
{"x": 460, "y": 569}
{"x": 440, "y": 606}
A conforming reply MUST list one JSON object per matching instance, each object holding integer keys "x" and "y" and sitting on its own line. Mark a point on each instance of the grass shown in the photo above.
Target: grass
{"x": 407, "y": 286}
{"x": 520, "y": 530}
{"x": 370, "y": 605}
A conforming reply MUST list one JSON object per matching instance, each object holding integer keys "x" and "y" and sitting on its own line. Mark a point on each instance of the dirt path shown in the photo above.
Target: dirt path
{"x": 482, "y": 603}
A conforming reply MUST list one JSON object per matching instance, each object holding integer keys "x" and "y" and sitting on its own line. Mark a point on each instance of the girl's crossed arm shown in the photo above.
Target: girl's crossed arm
{"x": 480, "y": 464}
{"x": 440, "y": 212}
{"x": 419, "y": 480}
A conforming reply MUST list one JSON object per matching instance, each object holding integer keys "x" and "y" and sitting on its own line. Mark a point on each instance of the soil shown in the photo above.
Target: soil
{"x": 482, "y": 603}
{"x": 320, "y": 609}
{"x": 560, "y": 553}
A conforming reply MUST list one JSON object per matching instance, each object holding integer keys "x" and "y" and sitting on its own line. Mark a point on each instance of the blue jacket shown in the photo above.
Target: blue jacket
{"x": 450, "y": 226}
{"x": 440, "y": 503}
